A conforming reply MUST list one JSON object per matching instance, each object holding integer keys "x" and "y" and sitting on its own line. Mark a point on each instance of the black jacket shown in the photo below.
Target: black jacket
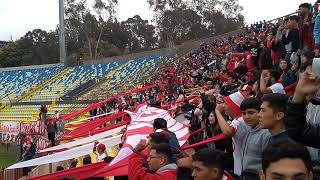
{"x": 293, "y": 37}
{"x": 298, "y": 127}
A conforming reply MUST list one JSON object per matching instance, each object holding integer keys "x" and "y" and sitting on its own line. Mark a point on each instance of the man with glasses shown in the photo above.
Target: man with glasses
{"x": 159, "y": 163}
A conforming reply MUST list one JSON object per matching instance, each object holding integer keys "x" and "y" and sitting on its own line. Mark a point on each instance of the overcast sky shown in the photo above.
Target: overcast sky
{"x": 19, "y": 16}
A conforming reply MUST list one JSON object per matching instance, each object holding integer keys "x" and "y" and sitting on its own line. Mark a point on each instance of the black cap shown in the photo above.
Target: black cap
{"x": 160, "y": 123}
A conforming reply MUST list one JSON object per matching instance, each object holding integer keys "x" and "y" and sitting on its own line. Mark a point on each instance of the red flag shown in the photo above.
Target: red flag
{"x": 140, "y": 127}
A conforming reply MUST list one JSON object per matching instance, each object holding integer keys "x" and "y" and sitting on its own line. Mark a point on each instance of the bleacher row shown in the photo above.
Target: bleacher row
{"x": 50, "y": 84}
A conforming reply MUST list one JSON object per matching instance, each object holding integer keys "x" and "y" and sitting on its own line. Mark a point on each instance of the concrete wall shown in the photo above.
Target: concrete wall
{"x": 30, "y": 67}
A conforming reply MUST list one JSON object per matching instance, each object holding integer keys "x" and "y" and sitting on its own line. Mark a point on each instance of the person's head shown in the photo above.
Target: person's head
{"x": 208, "y": 164}
{"x": 212, "y": 118}
{"x": 253, "y": 42}
{"x": 184, "y": 173}
{"x": 101, "y": 148}
{"x": 232, "y": 104}
{"x": 306, "y": 56}
{"x": 73, "y": 163}
{"x": 263, "y": 44}
{"x": 285, "y": 22}
{"x": 67, "y": 178}
{"x": 285, "y": 160}
{"x": 160, "y": 123}
{"x": 250, "y": 109}
{"x": 22, "y": 135}
{"x": 283, "y": 65}
{"x": 59, "y": 168}
{"x": 159, "y": 156}
{"x": 293, "y": 22}
{"x": 231, "y": 80}
{"x": 273, "y": 110}
{"x": 304, "y": 9}
{"x": 87, "y": 160}
{"x": 159, "y": 138}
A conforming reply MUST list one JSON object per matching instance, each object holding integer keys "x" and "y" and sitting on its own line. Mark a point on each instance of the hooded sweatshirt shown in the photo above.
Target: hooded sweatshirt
{"x": 137, "y": 172}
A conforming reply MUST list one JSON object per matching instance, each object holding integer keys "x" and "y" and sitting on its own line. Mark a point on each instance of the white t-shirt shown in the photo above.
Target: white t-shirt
{"x": 101, "y": 157}
{"x": 277, "y": 88}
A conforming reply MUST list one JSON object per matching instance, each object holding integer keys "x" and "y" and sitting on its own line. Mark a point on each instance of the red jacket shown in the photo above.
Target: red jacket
{"x": 306, "y": 35}
{"x": 137, "y": 172}
{"x": 247, "y": 58}
{"x": 275, "y": 55}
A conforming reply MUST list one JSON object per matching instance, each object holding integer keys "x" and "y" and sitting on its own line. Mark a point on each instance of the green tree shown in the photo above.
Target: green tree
{"x": 178, "y": 20}
{"x": 43, "y": 46}
{"x": 180, "y": 25}
{"x": 141, "y": 34}
{"x": 36, "y": 47}
{"x": 82, "y": 22}
{"x": 13, "y": 54}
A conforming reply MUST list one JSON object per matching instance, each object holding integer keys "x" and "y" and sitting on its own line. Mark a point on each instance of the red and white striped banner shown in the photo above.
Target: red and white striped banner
{"x": 142, "y": 125}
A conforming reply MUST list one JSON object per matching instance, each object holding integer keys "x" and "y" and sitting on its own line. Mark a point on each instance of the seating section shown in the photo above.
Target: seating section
{"x": 72, "y": 79}
{"x": 130, "y": 70}
{"x": 27, "y": 113}
{"x": 16, "y": 83}
{"x": 126, "y": 75}
{"x": 116, "y": 75}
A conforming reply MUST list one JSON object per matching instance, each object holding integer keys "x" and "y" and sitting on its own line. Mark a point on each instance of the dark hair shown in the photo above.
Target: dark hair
{"x": 294, "y": 18}
{"x": 158, "y": 138}
{"x": 160, "y": 123}
{"x": 277, "y": 101}
{"x": 74, "y": 163}
{"x": 163, "y": 149}
{"x": 59, "y": 168}
{"x": 207, "y": 104}
{"x": 210, "y": 158}
{"x": 304, "y": 5}
{"x": 87, "y": 160}
{"x": 304, "y": 66}
{"x": 184, "y": 173}
{"x": 67, "y": 178}
{"x": 250, "y": 103}
{"x": 285, "y": 149}
{"x": 233, "y": 76}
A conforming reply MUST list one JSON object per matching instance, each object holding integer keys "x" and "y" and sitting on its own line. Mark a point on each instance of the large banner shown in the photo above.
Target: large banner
{"x": 36, "y": 130}
{"x": 38, "y": 133}
{"x": 33, "y": 128}
{"x": 9, "y": 131}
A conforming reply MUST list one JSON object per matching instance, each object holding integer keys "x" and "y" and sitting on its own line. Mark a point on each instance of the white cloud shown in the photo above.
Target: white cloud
{"x": 19, "y": 16}
{"x": 258, "y": 10}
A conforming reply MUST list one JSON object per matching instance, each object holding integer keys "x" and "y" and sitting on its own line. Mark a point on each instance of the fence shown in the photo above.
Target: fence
{"x": 12, "y": 174}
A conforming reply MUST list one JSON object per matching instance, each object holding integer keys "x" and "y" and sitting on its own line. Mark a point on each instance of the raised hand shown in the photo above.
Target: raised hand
{"x": 308, "y": 84}
{"x": 141, "y": 145}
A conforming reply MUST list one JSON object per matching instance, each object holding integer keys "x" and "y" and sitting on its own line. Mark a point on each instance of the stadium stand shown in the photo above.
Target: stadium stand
{"x": 71, "y": 79}
{"x": 128, "y": 75}
{"x": 27, "y": 113}
{"x": 15, "y": 83}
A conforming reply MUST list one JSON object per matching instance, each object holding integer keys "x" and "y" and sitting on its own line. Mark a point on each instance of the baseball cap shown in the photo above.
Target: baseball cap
{"x": 102, "y": 147}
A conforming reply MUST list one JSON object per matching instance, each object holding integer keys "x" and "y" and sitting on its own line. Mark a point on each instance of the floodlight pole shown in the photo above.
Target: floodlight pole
{"x": 62, "y": 38}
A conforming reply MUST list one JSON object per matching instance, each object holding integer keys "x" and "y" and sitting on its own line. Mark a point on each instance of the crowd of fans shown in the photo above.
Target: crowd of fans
{"x": 259, "y": 88}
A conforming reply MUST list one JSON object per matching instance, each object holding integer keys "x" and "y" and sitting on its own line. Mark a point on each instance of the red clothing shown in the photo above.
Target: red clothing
{"x": 137, "y": 172}
{"x": 247, "y": 58}
{"x": 26, "y": 143}
{"x": 223, "y": 77}
{"x": 231, "y": 65}
{"x": 275, "y": 55}
{"x": 306, "y": 35}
